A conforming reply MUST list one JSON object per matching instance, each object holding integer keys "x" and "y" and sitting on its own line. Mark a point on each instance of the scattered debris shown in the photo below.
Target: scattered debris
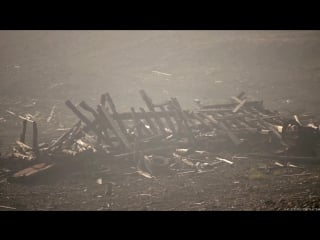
{"x": 51, "y": 116}
{"x": 300, "y": 174}
{"x": 99, "y": 180}
{"x": 7, "y": 207}
{"x": 291, "y": 165}
{"x": 166, "y": 74}
{"x": 279, "y": 164}
{"x": 144, "y": 174}
{"x": 224, "y": 160}
{"x": 166, "y": 138}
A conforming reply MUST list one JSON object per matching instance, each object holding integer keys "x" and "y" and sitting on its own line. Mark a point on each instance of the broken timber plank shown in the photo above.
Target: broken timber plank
{"x": 76, "y": 133}
{"x": 147, "y": 99}
{"x": 172, "y": 114}
{"x": 161, "y": 104}
{"x": 267, "y": 125}
{"x": 240, "y": 105}
{"x": 151, "y": 114}
{"x": 115, "y": 128}
{"x": 27, "y": 119}
{"x": 37, "y": 168}
{"x": 51, "y": 116}
{"x": 167, "y": 118}
{"x": 245, "y": 125}
{"x": 176, "y": 117}
{"x": 223, "y": 127}
{"x": 24, "y": 146}
{"x": 149, "y": 121}
{"x": 241, "y": 95}
{"x": 103, "y": 100}
{"x": 239, "y": 98}
{"x": 102, "y": 126}
{"x": 202, "y": 121}
{"x": 184, "y": 118}
{"x": 64, "y": 136}
{"x": 84, "y": 119}
{"x": 145, "y": 128}
{"x": 35, "y": 139}
{"x": 115, "y": 113}
{"x": 224, "y": 160}
{"x": 230, "y": 105}
{"x": 137, "y": 127}
{"x": 24, "y": 129}
{"x": 150, "y": 106}
{"x": 23, "y": 156}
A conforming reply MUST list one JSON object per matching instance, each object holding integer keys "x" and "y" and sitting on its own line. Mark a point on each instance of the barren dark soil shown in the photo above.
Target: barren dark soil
{"x": 40, "y": 69}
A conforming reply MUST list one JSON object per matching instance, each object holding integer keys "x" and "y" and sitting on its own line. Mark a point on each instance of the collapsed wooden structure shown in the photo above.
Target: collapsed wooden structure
{"x": 167, "y": 122}
{"x": 162, "y": 127}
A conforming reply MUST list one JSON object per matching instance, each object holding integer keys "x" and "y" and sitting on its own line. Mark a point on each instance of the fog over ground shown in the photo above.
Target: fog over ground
{"x": 275, "y": 66}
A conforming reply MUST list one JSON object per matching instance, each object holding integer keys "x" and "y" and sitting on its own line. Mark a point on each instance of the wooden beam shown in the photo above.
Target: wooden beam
{"x": 150, "y": 106}
{"x": 115, "y": 113}
{"x": 137, "y": 127}
{"x": 231, "y": 105}
{"x": 184, "y": 118}
{"x": 64, "y": 136}
{"x": 223, "y": 127}
{"x": 102, "y": 125}
{"x": 149, "y": 121}
{"x": 240, "y": 105}
{"x": 84, "y": 119}
{"x": 35, "y": 146}
{"x": 24, "y": 129}
{"x": 167, "y": 118}
{"x": 115, "y": 127}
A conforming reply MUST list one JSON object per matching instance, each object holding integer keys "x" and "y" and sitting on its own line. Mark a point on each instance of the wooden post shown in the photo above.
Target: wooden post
{"x": 176, "y": 117}
{"x": 103, "y": 100}
{"x": 223, "y": 127}
{"x": 147, "y": 100}
{"x": 102, "y": 125}
{"x": 137, "y": 127}
{"x": 35, "y": 139}
{"x": 241, "y": 95}
{"x": 150, "y": 106}
{"x": 149, "y": 121}
{"x": 75, "y": 134}
{"x": 83, "y": 118}
{"x": 242, "y": 123}
{"x": 24, "y": 129}
{"x": 167, "y": 118}
{"x": 202, "y": 121}
{"x": 231, "y": 105}
{"x": 64, "y": 136}
{"x": 184, "y": 119}
{"x": 240, "y": 105}
{"x": 114, "y": 126}
{"x": 115, "y": 113}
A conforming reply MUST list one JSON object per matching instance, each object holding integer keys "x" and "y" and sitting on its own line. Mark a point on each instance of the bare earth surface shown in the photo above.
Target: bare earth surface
{"x": 40, "y": 69}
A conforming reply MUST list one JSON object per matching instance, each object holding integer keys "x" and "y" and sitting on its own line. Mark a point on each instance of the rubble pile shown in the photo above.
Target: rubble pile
{"x": 164, "y": 137}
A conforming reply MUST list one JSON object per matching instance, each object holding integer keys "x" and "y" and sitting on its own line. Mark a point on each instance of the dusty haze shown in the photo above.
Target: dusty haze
{"x": 271, "y": 65}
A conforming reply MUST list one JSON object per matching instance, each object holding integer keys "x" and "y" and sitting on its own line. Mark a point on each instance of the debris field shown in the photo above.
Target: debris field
{"x": 162, "y": 141}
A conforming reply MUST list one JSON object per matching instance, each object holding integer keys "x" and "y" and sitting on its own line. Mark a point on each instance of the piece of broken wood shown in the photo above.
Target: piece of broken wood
{"x": 224, "y": 160}
{"x": 115, "y": 127}
{"x": 33, "y": 170}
